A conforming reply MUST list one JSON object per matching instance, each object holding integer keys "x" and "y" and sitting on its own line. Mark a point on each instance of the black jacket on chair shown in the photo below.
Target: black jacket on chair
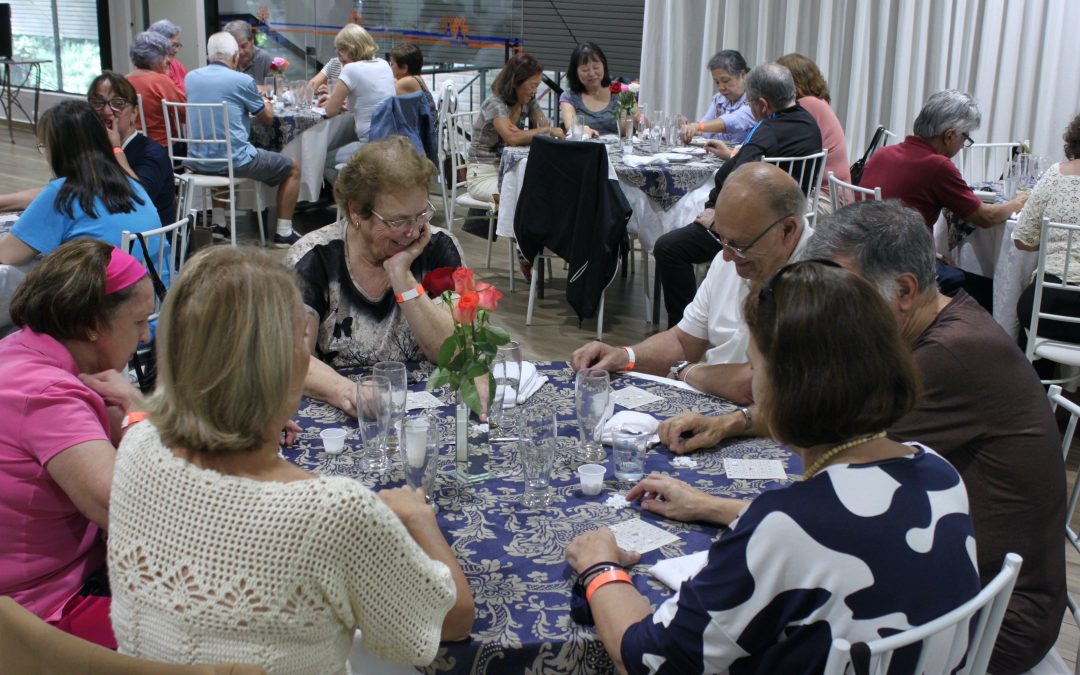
{"x": 570, "y": 206}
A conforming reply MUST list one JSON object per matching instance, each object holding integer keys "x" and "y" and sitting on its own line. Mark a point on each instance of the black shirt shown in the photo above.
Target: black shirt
{"x": 791, "y": 132}
{"x": 151, "y": 165}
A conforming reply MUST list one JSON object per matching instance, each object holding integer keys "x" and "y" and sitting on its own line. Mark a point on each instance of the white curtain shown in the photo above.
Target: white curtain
{"x": 882, "y": 59}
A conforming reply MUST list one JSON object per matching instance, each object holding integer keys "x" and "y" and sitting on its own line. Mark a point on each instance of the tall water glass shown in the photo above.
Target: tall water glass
{"x": 399, "y": 391}
{"x": 373, "y": 411}
{"x": 592, "y": 388}
{"x": 507, "y": 372}
{"x": 537, "y": 440}
{"x": 420, "y": 436}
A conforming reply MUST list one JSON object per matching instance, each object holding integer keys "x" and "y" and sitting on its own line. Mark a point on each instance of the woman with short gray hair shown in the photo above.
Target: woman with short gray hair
{"x": 728, "y": 118}
{"x": 176, "y": 70}
{"x": 150, "y": 55}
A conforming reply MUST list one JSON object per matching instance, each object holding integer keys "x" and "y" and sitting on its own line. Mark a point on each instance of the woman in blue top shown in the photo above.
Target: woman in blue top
{"x": 875, "y": 539}
{"x": 92, "y": 196}
{"x": 728, "y": 117}
{"x": 589, "y": 97}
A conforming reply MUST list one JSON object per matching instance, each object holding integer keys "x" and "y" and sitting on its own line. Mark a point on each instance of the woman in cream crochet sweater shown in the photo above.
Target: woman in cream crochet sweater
{"x": 222, "y": 551}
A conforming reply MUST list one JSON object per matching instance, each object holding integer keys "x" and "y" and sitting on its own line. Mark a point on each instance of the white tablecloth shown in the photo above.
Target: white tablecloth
{"x": 648, "y": 222}
{"x": 309, "y": 147}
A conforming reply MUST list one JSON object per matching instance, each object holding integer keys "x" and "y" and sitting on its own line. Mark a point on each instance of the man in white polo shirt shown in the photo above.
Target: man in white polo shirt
{"x": 759, "y": 223}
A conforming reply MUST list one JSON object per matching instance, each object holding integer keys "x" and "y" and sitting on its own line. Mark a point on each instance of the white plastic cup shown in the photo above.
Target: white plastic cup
{"x": 591, "y": 477}
{"x": 333, "y": 440}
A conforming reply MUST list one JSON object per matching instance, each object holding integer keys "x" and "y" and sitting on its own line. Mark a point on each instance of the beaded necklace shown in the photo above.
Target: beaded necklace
{"x": 820, "y": 461}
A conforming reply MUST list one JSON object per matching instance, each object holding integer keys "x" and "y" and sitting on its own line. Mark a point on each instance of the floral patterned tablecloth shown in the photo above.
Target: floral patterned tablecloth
{"x": 512, "y": 556}
{"x": 286, "y": 126}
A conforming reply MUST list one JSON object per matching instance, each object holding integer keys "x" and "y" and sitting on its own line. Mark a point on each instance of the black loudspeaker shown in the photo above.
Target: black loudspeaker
{"x": 5, "y": 30}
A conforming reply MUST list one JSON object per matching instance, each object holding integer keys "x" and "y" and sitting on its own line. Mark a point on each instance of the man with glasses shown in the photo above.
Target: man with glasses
{"x": 759, "y": 226}
{"x": 919, "y": 170}
{"x": 783, "y": 129}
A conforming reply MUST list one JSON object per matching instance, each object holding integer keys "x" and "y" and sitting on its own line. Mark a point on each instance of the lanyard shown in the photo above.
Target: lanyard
{"x": 750, "y": 134}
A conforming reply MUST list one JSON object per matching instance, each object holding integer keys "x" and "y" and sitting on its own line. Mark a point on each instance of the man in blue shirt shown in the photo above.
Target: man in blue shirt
{"x": 220, "y": 82}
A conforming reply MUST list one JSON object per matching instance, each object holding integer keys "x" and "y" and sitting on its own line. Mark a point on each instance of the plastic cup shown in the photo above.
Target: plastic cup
{"x": 628, "y": 454}
{"x": 333, "y": 440}
{"x": 591, "y": 477}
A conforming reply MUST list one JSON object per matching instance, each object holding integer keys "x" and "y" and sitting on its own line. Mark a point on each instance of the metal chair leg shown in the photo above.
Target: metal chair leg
{"x": 532, "y": 291}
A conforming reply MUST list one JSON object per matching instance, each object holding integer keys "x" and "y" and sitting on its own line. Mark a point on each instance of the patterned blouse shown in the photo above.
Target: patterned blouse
{"x": 355, "y": 329}
{"x": 887, "y": 545}
{"x": 1056, "y": 197}
{"x": 487, "y": 144}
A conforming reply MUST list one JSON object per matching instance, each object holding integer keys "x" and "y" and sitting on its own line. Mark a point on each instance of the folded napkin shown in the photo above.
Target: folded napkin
{"x": 672, "y": 572}
{"x": 643, "y": 160}
{"x": 631, "y": 420}
{"x": 668, "y": 381}
{"x": 529, "y": 382}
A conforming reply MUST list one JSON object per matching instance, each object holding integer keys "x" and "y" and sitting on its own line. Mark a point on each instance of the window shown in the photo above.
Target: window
{"x": 64, "y": 32}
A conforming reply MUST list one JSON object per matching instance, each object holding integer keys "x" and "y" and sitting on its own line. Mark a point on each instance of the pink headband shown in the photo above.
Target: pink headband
{"x": 123, "y": 271}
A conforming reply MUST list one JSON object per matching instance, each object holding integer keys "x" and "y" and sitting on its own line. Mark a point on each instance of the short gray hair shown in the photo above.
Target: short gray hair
{"x": 772, "y": 82}
{"x": 166, "y": 28}
{"x": 885, "y": 239}
{"x": 221, "y": 47}
{"x": 729, "y": 60}
{"x": 239, "y": 29}
{"x": 148, "y": 50}
{"x": 949, "y": 109}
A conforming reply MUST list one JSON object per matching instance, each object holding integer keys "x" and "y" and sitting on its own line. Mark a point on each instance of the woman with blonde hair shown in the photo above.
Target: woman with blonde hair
{"x": 220, "y": 549}
{"x": 360, "y": 277}
{"x": 365, "y": 81}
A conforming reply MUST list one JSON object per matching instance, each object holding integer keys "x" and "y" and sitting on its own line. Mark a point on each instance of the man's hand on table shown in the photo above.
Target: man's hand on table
{"x": 719, "y": 148}
{"x": 596, "y": 546}
{"x": 674, "y": 499}
{"x": 599, "y": 355}
{"x": 705, "y": 218}
{"x": 687, "y": 432}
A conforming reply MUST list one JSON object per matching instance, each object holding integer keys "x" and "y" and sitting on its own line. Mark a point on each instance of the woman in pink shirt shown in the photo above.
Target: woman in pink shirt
{"x": 813, "y": 95}
{"x": 81, "y": 312}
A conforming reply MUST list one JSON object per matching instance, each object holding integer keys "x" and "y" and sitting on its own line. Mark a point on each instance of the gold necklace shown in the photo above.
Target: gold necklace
{"x": 820, "y": 461}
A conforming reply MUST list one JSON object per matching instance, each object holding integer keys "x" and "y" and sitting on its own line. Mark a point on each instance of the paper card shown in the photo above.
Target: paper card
{"x": 633, "y": 397}
{"x": 755, "y": 469}
{"x": 637, "y": 535}
{"x": 422, "y": 399}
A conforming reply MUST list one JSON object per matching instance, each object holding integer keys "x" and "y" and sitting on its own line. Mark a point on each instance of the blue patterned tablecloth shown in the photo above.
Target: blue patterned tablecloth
{"x": 512, "y": 556}
{"x": 286, "y": 126}
{"x": 665, "y": 184}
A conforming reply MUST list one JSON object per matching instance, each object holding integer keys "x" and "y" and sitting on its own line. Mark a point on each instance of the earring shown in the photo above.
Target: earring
{"x": 93, "y": 336}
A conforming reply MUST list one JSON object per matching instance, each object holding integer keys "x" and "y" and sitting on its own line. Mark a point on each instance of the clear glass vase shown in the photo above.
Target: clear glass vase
{"x": 472, "y": 450}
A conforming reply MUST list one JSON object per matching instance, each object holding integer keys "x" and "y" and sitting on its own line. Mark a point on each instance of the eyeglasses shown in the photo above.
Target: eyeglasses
{"x": 407, "y": 221}
{"x": 766, "y": 297}
{"x": 41, "y": 149}
{"x": 968, "y": 141}
{"x": 116, "y": 104}
{"x": 741, "y": 251}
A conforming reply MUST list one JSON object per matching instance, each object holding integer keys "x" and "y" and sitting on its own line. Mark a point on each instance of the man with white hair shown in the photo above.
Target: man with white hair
{"x": 783, "y": 129}
{"x": 220, "y": 82}
{"x": 176, "y": 71}
{"x": 254, "y": 61}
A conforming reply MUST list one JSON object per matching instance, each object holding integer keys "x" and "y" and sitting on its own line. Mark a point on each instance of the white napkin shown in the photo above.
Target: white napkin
{"x": 689, "y": 151}
{"x": 672, "y": 572}
{"x": 668, "y": 381}
{"x": 636, "y": 421}
{"x": 529, "y": 382}
{"x": 643, "y": 160}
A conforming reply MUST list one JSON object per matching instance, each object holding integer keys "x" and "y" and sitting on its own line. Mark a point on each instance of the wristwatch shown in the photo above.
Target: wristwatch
{"x": 678, "y": 368}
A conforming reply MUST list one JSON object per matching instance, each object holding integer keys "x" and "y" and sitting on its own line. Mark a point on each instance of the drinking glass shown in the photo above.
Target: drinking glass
{"x": 507, "y": 373}
{"x": 592, "y": 388}
{"x": 628, "y": 454}
{"x": 373, "y": 410}
{"x": 537, "y": 439}
{"x": 399, "y": 391}
{"x": 268, "y": 87}
{"x": 420, "y": 436}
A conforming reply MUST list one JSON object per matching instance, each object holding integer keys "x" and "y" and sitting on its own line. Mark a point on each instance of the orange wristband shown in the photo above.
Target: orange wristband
{"x": 604, "y": 578}
{"x": 632, "y": 358}
{"x": 410, "y": 294}
{"x": 133, "y": 417}
{"x": 118, "y": 151}
{"x": 701, "y": 127}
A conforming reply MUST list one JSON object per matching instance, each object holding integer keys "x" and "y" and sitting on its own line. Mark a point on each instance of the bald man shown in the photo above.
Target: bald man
{"x": 760, "y": 226}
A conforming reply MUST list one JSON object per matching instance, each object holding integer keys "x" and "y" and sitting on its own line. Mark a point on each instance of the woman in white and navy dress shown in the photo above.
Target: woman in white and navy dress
{"x": 876, "y": 539}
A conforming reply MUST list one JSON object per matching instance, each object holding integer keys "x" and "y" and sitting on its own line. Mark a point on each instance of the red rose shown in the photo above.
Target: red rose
{"x": 489, "y": 296}
{"x": 615, "y": 88}
{"x": 463, "y": 281}
{"x": 467, "y": 304}
{"x": 438, "y": 280}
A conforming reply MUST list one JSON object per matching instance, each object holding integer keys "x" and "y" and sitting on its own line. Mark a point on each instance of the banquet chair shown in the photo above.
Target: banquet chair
{"x": 29, "y": 646}
{"x": 842, "y": 193}
{"x": 809, "y": 173}
{"x": 969, "y": 631}
{"x": 984, "y": 162}
{"x": 206, "y": 125}
{"x": 1058, "y": 351}
{"x": 142, "y": 115}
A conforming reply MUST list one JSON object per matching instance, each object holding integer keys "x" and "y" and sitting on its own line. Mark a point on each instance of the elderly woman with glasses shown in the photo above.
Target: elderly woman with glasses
{"x": 832, "y": 555}
{"x": 171, "y": 32}
{"x": 360, "y": 277}
{"x": 150, "y": 55}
